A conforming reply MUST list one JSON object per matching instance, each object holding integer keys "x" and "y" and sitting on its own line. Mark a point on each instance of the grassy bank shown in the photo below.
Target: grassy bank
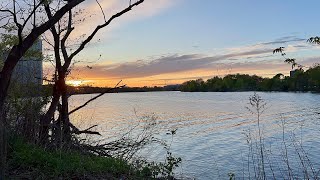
{"x": 28, "y": 161}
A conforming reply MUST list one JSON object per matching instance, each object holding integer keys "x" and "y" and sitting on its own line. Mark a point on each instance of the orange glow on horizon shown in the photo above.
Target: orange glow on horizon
{"x": 75, "y": 83}
{"x": 166, "y": 79}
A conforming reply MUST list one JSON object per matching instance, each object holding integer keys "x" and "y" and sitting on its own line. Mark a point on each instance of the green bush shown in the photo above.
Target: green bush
{"x": 37, "y": 163}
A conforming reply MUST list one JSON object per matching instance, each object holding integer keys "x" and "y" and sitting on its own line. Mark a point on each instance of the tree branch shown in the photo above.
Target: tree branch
{"x": 32, "y": 13}
{"x": 64, "y": 39}
{"x": 94, "y": 98}
{"x": 18, "y": 51}
{"x": 19, "y": 26}
{"x": 104, "y": 16}
{"x": 56, "y": 38}
{"x": 8, "y": 11}
{"x": 75, "y": 130}
{"x": 90, "y": 37}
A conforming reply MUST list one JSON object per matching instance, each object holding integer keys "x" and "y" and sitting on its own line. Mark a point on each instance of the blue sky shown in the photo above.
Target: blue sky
{"x": 212, "y": 24}
{"x": 158, "y": 30}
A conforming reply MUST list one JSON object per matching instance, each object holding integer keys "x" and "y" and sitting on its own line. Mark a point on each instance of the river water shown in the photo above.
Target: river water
{"x": 216, "y": 133}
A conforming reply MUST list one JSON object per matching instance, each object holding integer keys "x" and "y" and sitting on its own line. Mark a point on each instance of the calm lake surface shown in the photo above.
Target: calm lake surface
{"x": 213, "y": 129}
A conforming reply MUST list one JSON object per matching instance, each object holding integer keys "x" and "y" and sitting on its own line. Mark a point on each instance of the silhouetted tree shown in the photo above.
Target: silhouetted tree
{"x": 24, "y": 20}
{"x": 63, "y": 59}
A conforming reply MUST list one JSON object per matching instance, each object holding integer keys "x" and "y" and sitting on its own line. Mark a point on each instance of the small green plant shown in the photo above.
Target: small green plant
{"x": 231, "y": 176}
{"x": 257, "y": 107}
{"x": 161, "y": 170}
{"x": 170, "y": 164}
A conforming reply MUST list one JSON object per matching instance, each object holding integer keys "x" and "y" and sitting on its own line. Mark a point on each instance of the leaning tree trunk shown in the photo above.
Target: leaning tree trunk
{"x": 3, "y": 142}
{"x": 61, "y": 128}
{"x": 3, "y": 145}
{"x": 5, "y": 78}
{"x": 64, "y": 112}
{"x": 47, "y": 118}
{"x": 65, "y": 119}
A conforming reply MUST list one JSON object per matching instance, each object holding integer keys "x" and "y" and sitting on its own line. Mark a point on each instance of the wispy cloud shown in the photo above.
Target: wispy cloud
{"x": 252, "y": 59}
{"x": 284, "y": 40}
{"x": 93, "y": 16}
{"x": 169, "y": 64}
{"x": 89, "y": 15}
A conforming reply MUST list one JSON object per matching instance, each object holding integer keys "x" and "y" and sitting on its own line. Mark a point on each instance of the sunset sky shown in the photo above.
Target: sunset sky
{"x": 164, "y": 42}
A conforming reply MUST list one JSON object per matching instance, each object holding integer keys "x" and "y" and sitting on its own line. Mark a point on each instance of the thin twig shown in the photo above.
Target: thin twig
{"x": 94, "y": 98}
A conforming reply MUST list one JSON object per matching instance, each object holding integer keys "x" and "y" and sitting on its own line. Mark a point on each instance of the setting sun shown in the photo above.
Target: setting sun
{"x": 75, "y": 83}
{"x": 167, "y": 89}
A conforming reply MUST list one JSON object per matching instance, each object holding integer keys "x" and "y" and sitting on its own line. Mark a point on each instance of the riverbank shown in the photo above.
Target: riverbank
{"x": 29, "y": 161}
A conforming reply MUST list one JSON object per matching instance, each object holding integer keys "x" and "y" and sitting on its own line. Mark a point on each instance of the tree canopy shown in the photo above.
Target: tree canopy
{"x": 308, "y": 80}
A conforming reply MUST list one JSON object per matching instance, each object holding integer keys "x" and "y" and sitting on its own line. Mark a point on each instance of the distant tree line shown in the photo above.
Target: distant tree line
{"x": 300, "y": 80}
{"x": 92, "y": 90}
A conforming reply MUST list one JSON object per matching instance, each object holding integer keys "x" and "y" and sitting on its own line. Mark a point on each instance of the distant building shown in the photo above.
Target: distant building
{"x": 29, "y": 69}
{"x": 293, "y": 72}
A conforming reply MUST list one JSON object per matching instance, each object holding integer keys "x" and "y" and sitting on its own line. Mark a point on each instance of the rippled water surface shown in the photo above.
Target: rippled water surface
{"x": 213, "y": 128}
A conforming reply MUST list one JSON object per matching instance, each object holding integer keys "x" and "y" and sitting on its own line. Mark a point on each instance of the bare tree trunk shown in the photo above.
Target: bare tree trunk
{"x": 64, "y": 113}
{"x": 3, "y": 149}
{"x": 4, "y": 84}
{"x": 47, "y": 118}
{"x": 3, "y": 145}
{"x": 57, "y": 133}
{"x": 65, "y": 119}
{"x": 60, "y": 135}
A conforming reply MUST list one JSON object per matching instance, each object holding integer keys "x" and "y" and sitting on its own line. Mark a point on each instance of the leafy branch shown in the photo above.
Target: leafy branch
{"x": 291, "y": 61}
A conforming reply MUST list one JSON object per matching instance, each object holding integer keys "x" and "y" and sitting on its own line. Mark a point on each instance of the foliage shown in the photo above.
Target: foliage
{"x": 231, "y": 176}
{"x": 300, "y": 81}
{"x": 53, "y": 164}
{"x": 314, "y": 40}
{"x": 279, "y": 50}
{"x": 161, "y": 170}
{"x": 291, "y": 61}
{"x": 26, "y": 99}
{"x": 24, "y": 107}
